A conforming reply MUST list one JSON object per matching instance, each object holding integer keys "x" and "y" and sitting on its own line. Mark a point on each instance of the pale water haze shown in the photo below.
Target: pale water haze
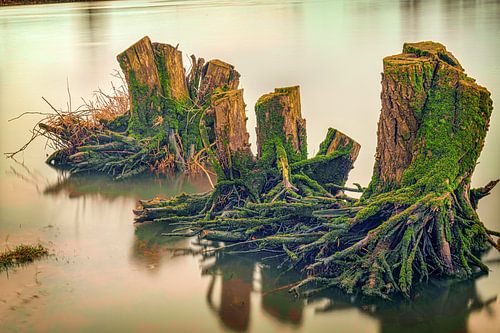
{"x": 107, "y": 274}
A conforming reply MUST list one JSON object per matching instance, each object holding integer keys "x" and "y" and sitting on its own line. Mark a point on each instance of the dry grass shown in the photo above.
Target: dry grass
{"x": 67, "y": 129}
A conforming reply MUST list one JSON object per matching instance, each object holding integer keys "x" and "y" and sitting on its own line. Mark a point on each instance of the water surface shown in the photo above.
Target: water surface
{"x": 108, "y": 275}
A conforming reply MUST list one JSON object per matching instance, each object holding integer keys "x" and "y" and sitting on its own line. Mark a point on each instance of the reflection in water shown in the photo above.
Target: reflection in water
{"x": 150, "y": 248}
{"x": 236, "y": 276}
{"x": 138, "y": 187}
{"x": 280, "y": 305}
{"x": 102, "y": 186}
{"x": 440, "y": 305}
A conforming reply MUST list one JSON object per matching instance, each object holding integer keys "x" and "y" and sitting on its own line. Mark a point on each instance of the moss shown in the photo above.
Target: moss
{"x": 119, "y": 124}
{"x": 332, "y": 168}
{"x": 268, "y": 110}
{"x": 456, "y": 115}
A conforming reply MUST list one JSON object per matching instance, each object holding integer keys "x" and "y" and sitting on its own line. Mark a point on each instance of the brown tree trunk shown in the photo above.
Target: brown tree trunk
{"x": 171, "y": 71}
{"x": 231, "y": 136}
{"x": 215, "y": 74}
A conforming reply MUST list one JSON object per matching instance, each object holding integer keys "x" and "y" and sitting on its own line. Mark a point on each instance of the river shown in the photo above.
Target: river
{"x": 108, "y": 275}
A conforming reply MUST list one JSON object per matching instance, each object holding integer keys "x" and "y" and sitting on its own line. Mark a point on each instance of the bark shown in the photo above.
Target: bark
{"x": 171, "y": 71}
{"x": 215, "y": 74}
{"x": 231, "y": 136}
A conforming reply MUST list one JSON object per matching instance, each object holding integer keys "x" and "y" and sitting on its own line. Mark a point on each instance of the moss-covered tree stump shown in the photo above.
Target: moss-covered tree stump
{"x": 416, "y": 219}
{"x": 165, "y": 127}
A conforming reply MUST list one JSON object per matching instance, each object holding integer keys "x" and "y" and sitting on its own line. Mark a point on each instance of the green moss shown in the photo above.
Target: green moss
{"x": 332, "y": 168}
{"x": 271, "y": 124}
{"x": 120, "y": 123}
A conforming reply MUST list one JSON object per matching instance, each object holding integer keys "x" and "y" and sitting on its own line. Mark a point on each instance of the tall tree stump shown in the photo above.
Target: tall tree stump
{"x": 231, "y": 136}
{"x": 215, "y": 74}
{"x": 139, "y": 67}
{"x": 279, "y": 121}
{"x": 418, "y": 219}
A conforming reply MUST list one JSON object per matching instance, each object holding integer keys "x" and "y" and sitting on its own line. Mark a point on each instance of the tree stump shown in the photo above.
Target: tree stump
{"x": 334, "y": 161}
{"x": 279, "y": 119}
{"x": 231, "y": 136}
{"x": 215, "y": 74}
{"x": 139, "y": 67}
{"x": 418, "y": 218}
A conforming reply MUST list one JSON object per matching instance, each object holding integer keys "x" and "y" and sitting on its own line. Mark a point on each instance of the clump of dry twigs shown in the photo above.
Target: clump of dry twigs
{"x": 65, "y": 130}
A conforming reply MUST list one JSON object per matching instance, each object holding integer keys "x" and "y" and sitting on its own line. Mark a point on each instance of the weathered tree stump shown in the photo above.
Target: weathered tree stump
{"x": 215, "y": 74}
{"x": 279, "y": 120}
{"x": 231, "y": 136}
{"x": 335, "y": 159}
{"x": 417, "y": 219}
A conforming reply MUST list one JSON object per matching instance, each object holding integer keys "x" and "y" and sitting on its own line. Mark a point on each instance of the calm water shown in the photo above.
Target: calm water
{"x": 108, "y": 275}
